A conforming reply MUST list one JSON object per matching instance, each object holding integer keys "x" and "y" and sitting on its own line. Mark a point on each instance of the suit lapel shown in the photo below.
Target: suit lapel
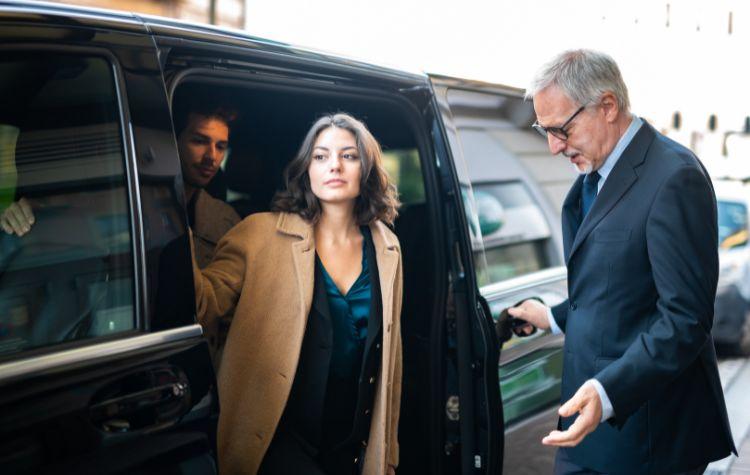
{"x": 571, "y": 215}
{"x": 619, "y": 181}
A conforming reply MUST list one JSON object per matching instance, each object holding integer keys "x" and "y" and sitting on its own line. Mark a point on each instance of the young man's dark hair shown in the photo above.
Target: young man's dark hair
{"x": 204, "y": 107}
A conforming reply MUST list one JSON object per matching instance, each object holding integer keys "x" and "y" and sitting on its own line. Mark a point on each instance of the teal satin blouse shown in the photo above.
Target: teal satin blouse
{"x": 349, "y": 318}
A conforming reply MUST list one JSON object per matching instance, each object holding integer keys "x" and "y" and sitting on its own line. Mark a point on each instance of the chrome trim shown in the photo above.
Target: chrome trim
{"x": 137, "y": 225}
{"x": 57, "y": 361}
{"x": 76, "y": 12}
{"x": 524, "y": 282}
{"x": 542, "y": 342}
{"x": 466, "y": 84}
{"x": 130, "y": 162}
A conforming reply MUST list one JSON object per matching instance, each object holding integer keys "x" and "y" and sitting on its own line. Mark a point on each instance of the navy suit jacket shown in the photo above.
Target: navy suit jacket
{"x": 642, "y": 274}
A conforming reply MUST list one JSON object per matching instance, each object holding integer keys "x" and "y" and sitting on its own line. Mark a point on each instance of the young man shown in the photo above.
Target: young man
{"x": 202, "y": 142}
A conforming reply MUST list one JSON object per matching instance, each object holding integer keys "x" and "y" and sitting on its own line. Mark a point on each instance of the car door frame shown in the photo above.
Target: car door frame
{"x": 550, "y": 282}
{"x": 480, "y": 403}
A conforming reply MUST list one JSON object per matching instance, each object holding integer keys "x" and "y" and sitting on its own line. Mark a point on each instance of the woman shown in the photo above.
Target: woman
{"x": 311, "y": 376}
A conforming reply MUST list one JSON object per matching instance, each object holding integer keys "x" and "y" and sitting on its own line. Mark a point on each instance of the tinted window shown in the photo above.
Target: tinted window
{"x": 733, "y": 225}
{"x": 502, "y": 213}
{"x": 406, "y": 172}
{"x": 71, "y": 276}
{"x": 514, "y": 231}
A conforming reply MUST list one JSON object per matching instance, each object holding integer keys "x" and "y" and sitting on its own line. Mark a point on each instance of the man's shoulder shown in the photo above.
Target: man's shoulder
{"x": 672, "y": 167}
{"x": 213, "y": 217}
{"x": 671, "y": 156}
{"x": 218, "y": 209}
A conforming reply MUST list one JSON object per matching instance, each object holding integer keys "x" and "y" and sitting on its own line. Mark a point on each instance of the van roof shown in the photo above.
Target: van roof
{"x": 160, "y": 26}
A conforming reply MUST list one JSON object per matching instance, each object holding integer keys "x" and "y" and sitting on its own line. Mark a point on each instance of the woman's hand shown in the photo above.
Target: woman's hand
{"x": 391, "y": 470}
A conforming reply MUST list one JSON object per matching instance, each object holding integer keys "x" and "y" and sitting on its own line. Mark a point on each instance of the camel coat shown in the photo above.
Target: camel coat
{"x": 263, "y": 273}
{"x": 213, "y": 218}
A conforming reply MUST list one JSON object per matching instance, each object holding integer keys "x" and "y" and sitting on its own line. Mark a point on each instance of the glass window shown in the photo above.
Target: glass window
{"x": 405, "y": 170}
{"x": 510, "y": 232}
{"x": 70, "y": 275}
{"x": 514, "y": 231}
{"x": 733, "y": 225}
{"x": 512, "y": 260}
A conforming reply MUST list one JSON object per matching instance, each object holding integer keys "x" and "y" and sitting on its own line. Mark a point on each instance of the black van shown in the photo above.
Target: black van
{"x": 103, "y": 368}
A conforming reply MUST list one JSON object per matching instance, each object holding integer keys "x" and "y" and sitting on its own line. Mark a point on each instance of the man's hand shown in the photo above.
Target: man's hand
{"x": 17, "y": 218}
{"x": 534, "y": 312}
{"x": 587, "y": 404}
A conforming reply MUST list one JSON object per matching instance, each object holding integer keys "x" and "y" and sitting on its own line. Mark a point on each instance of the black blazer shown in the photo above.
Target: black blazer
{"x": 642, "y": 275}
{"x": 305, "y": 410}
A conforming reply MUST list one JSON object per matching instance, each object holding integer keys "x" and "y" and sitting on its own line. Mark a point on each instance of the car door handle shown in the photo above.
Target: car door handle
{"x": 506, "y": 325}
{"x": 142, "y": 408}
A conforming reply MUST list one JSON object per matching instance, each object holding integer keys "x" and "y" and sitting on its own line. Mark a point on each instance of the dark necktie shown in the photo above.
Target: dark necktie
{"x": 588, "y": 192}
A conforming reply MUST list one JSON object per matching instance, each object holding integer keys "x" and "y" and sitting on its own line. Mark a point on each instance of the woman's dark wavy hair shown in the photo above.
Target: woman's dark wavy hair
{"x": 377, "y": 198}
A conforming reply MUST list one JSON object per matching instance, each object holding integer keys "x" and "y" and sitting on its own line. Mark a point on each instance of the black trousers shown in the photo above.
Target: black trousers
{"x": 565, "y": 466}
{"x": 289, "y": 455}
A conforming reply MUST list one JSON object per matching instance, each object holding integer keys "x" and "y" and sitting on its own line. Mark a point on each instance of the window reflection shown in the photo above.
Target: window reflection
{"x": 70, "y": 276}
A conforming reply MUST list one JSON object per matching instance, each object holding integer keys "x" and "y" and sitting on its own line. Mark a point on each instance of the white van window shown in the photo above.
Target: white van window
{"x": 69, "y": 274}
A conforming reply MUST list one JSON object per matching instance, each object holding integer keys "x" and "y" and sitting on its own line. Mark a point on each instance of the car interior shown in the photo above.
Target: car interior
{"x": 271, "y": 123}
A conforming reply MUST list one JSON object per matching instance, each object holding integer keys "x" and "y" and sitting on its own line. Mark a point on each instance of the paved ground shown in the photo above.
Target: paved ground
{"x": 741, "y": 466}
{"x": 735, "y": 380}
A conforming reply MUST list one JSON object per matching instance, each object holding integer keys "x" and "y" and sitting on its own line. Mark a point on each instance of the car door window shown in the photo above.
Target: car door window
{"x": 70, "y": 277}
{"x": 514, "y": 231}
{"x": 508, "y": 215}
{"x": 406, "y": 173}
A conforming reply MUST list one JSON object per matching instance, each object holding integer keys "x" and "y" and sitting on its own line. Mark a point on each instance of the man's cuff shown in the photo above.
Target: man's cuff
{"x": 552, "y": 323}
{"x": 607, "y": 409}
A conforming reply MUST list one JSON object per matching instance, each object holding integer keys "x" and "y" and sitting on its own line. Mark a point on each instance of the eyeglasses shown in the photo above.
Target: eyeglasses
{"x": 558, "y": 132}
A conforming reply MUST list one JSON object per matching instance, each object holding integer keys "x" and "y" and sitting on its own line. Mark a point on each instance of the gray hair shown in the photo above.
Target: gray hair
{"x": 584, "y": 76}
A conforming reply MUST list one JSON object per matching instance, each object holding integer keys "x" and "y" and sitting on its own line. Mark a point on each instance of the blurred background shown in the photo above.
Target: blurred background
{"x": 682, "y": 59}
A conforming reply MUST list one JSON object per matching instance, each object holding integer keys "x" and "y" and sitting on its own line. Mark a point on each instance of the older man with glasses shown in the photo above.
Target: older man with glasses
{"x": 640, "y": 389}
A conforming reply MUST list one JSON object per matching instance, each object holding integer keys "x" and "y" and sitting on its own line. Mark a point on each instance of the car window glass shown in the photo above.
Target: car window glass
{"x": 509, "y": 228}
{"x": 405, "y": 171}
{"x": 514, "y": 230}
{"x": 70, "y": 277}
{"x": 733, "y": 224}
